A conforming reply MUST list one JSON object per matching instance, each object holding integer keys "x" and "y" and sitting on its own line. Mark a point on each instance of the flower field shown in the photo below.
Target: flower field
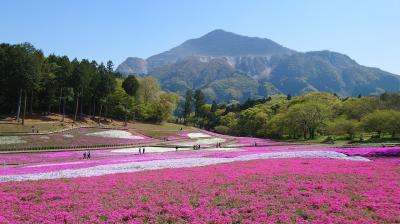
{"x": 247, "y": 180}
{"x": 74, "y": 138}
{"x": 258, "y": 191}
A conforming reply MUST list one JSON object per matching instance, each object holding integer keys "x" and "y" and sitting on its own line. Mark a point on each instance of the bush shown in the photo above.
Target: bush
{"x": 222, "y": 129}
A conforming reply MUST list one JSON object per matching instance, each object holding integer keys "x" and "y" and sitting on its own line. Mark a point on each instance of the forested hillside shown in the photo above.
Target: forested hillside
{"x": 300, "y": 117}
{"x": 229, "y": 67}
{"x": 32, "y": 83}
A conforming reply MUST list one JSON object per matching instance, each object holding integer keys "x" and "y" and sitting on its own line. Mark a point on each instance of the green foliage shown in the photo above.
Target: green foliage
{"x": 342, "y": 126}
{"x": 222, "y": 129}
{"x": 188, "y": 107}
{"x": 306, "y": 116}
{"x": 130, "y": 85}
{"x": 381, "y": 121}
{"x": 148, "y": 91}
{"x": 199, "y": 102}
{"x": 56, "y": 84}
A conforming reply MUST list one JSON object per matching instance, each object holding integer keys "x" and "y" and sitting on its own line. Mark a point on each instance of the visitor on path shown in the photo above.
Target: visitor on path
{"x": 84, "y": 155}
{"x": 143, "y": 150}
{"x": 140, "y": 150}
{"x": 176, "y": 148}
{"x": 88, "y": 155}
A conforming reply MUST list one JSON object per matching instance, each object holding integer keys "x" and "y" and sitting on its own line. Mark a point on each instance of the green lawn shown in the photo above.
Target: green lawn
{"x": 160, "y": 130}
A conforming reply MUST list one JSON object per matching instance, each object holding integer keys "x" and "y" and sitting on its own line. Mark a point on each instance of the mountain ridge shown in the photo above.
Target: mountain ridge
{"x": 214, "y": 60}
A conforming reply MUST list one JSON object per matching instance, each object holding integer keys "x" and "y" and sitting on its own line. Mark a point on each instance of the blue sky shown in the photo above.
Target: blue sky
{"x": 366, "y": 30}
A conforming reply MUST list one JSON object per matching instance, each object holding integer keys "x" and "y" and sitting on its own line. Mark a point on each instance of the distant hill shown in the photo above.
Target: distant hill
{"x": 230, "y": 67}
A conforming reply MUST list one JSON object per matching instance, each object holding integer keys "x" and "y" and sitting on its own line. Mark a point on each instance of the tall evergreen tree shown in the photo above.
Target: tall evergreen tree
{"x": 188, "y": 107}
{"x": 199, "y": 102}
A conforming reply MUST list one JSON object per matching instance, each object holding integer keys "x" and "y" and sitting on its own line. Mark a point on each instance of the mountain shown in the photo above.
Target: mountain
{"x": 219, "y": 43}
{"x": 133, "y": 65}
{"x": 227, "y": 67}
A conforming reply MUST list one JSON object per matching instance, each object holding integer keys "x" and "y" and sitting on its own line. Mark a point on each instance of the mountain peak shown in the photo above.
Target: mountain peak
{"x": 220, "y": 43}
{"x": 219, "y": 32}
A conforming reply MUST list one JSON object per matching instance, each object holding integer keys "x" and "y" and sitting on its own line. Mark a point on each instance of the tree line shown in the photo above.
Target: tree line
{"x": 32, "y": 83}
{"x": 300, "y": 117}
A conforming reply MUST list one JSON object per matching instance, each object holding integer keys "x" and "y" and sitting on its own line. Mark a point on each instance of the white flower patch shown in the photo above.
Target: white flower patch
{"x": 7, "y": 140}
{"x": 207, "y": 141}
{"x": 115, "y": 134}
{"x": 224, "y": 149}
{"x": 44, "y": 137}
{"x": 55, "y": 164}
{"x": 68, "y": 136}
{"x": 198, "y": 135}
{"x": 147, "y": 149}
{"x": 172, "y": 163}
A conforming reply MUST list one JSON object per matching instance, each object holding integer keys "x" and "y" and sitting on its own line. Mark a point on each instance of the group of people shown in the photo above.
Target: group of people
{"x": 219, "y": 145}
{"x": 86, "y": 155}
{"x": 142, "y": 150}
{"x": 196, "y": 147}
{"x": 35, "y": 130}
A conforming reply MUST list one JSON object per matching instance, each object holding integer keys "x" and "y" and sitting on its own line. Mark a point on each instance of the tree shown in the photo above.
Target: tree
{"x": 110, "y": 67}
{"x": 394, "y": 123}
{"x": 253, "y": 121}
{"x": 20, "y": 68}
{"x": 130, "y": 85}
{"x": 355, "y": 108}
{"x": 199, "y": 102}
{"x": 343, "y": 126}
{"x": 377, "y": 121}
{"x": 165, "y": 106}
{"x": 148, "y": 91}
{"x": 309, "y": 117}
{"x": 230, "y": 120}
{"x": 188, "y": 103}
{"x": 382, "y": 121}
{"x": 214, "y": 106}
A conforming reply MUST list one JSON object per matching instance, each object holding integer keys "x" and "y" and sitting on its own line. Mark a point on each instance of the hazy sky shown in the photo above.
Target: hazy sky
{"x": 368, "y": 31}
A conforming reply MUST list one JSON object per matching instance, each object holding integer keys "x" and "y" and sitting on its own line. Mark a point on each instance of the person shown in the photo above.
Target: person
{"x": 194, "y": 147}
{"x": 88, "y": 154}
{"x": 140, "y": 150}
{"x": 176, "y": 148}
{"x": 84, "y": 155}
{"x": 198, "y": 147}
{"x": 143, "y": 150}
